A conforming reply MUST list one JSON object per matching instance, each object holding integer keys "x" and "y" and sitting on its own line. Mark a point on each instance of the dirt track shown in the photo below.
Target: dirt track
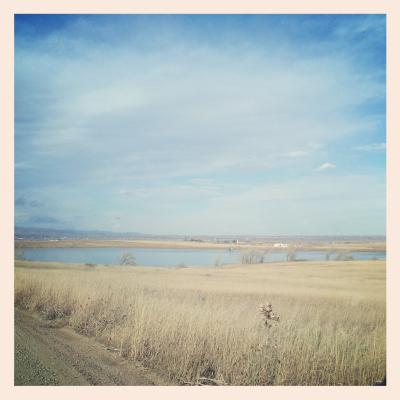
{"x": 49, "y": 355}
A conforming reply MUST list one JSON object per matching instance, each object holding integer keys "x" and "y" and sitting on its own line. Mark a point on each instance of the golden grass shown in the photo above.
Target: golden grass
{"x": 194, "y": 324}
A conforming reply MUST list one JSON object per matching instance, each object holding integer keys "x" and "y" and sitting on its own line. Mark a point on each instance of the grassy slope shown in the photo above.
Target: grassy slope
{"x": 205, "y": 322}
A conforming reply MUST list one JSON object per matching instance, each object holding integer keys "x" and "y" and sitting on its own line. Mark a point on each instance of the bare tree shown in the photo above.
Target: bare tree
{"x": 127, "y": 259}
{"x": 217, "y": 261}
{"x": 344, "y": 256}
{"x": 19, "y": 254}
{"x": 254, "y": 257}
{"x": 291, "y": 255}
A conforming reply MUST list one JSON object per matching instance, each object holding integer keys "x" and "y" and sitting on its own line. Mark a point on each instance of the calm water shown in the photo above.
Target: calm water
{"x": 170, "y": 257}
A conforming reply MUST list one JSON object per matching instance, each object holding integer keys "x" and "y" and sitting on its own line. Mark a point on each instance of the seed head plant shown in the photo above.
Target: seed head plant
{"x": 268, "y": 314}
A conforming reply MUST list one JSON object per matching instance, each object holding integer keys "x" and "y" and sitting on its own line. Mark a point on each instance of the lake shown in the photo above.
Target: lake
{"x": 173, "y": 257}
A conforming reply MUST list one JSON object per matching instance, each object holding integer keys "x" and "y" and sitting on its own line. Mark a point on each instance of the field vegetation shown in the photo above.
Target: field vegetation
{"x": 204, "y": 325}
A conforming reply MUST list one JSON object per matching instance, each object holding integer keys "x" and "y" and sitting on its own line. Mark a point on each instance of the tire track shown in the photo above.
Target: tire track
{"x": 45, "y": 355}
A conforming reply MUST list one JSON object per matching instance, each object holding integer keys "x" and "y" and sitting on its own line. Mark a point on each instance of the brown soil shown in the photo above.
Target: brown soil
{"x": 47, "y": 354}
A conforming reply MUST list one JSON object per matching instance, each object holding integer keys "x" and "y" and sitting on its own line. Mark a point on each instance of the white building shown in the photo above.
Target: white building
{"x": 281, "y": 245}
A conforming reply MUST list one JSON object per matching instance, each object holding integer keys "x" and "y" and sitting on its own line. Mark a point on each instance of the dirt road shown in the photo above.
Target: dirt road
{"x": 49, "y": 355}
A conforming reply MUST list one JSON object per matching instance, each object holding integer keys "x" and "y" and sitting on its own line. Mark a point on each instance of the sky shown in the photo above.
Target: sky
{"x": 201, "y": 124}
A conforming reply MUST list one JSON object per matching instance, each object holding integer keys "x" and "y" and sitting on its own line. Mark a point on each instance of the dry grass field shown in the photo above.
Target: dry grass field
{"x": 204, "y": 326}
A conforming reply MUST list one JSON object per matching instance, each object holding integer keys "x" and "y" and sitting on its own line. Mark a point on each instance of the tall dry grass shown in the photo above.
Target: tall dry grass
{"x": 204, "y": 325}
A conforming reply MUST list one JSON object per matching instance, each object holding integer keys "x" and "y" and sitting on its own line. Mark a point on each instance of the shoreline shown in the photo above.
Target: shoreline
{"x": 177, "y": 244}
{"x": 32, "y": 264}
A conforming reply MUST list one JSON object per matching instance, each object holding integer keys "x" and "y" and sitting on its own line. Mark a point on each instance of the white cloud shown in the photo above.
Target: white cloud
{"x": 172, "y": 111}
{"x": 326, "y": 166}
{"x": 180, "y": 123}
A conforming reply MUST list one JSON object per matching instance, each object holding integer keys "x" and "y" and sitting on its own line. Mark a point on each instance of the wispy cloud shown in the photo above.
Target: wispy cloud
{"x": 326, "y": 166}
{"x": 158, "y": 111}
{"x": 372, "y": 147}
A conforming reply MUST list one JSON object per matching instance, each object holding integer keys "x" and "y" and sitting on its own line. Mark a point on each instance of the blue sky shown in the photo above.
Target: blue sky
{"x": 201, "y": 124}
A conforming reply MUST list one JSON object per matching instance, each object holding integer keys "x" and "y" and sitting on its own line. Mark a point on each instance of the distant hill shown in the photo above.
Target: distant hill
{"x": 48, "y": 233}
{"x": 30, "y": 233}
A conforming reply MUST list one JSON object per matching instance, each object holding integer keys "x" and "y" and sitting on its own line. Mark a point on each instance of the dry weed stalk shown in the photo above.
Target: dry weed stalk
{"x": 268, "y": 314}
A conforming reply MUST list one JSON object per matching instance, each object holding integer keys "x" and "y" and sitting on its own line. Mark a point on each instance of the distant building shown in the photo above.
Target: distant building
{"x": 281, "y": 245}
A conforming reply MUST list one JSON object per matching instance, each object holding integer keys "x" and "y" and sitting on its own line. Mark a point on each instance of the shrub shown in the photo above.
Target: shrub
{"x": 291, "y": 255}
{"x": 90, "y": 265}
{"x": 127, "y": 259}
{"x": 253, "y": 257}
{"x": 19, "y": 254}
{"x": 344, "y": 256}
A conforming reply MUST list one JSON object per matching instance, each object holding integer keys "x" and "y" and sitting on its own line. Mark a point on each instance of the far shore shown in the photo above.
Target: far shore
{"x": 181, "y": 244}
